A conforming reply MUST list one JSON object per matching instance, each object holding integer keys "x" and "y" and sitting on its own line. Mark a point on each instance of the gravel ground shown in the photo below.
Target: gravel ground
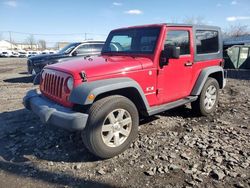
{"x": 173, "y": 149}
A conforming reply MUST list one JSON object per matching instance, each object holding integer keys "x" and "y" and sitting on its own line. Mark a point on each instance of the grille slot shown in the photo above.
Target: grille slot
{"x": 53, "y": 85}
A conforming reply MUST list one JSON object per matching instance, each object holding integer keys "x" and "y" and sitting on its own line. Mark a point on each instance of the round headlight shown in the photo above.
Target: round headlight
{"x": 70, "y": 83}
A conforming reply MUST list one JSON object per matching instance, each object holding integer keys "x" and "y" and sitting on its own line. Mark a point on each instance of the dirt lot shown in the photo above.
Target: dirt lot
{"x": 173, "y": 149}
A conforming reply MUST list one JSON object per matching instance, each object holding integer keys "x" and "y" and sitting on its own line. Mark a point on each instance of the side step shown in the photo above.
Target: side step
{"x": 168, "y": 106}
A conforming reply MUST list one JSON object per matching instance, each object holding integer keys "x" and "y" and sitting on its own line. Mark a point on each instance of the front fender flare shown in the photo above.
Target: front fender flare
{"x": 79, "y": 95}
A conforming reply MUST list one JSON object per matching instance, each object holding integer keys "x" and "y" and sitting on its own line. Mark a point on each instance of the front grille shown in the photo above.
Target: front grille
{"x": 53, "y": 85}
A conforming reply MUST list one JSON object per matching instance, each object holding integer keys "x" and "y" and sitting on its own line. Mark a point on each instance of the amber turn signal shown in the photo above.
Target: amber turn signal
{"x": 91, "y": 97}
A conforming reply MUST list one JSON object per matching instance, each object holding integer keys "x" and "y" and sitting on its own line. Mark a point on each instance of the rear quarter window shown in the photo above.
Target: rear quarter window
{"x": 207, "y": 41}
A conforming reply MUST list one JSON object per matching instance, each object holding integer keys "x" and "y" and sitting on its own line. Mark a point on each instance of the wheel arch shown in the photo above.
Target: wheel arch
{"x": 219, "y": 76}
{"x": 116, "y": 86}
{"x": 132, "y": 94}
{"x": 215, "y": 72}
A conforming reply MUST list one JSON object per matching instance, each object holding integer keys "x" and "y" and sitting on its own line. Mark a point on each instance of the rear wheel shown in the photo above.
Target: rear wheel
{"x": 112, "y": 126}
{"x": 208, "y": 98}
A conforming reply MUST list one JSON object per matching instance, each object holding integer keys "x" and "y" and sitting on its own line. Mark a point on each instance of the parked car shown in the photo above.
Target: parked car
{"x": 88, "y": 48}
{"x": 153, "y": 69}
{"x": 14, "y": 54}
{"x": 6, "y": 53}
{"x": 29, "y": 53}
{"x": 33, "y": 53}
{"x": 23, "y": 54}
{"x": 52, "y": 52}
{"x": 48, "y": 52}
{"x": 45, "y": 52}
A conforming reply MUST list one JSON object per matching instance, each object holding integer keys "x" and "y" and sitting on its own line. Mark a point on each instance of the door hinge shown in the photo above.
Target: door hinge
{"x": 159, "y": 71}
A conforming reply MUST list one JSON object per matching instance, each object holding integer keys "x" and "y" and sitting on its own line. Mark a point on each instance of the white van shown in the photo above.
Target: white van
{"x": 6, "y": 53}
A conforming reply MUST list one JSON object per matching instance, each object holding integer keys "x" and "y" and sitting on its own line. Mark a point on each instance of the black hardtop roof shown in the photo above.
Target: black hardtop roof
{"x": 195, "y": 26}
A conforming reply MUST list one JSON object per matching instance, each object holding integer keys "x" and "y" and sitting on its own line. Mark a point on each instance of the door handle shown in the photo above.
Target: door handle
{"x": 189, "y": 63}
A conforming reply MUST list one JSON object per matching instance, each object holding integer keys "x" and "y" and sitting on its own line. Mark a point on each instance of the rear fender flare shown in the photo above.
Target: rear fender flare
{"x": 205, "y": 73}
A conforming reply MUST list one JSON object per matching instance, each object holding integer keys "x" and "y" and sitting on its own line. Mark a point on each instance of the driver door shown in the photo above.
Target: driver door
{"x": 174, "y": 79}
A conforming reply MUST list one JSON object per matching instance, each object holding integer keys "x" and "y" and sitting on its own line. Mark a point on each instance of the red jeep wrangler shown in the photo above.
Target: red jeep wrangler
{"x": 142, "y": 71}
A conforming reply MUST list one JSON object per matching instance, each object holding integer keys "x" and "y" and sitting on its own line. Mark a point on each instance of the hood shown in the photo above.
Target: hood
{"x": 45, "y": 57}
{"x": 98, "y": 66}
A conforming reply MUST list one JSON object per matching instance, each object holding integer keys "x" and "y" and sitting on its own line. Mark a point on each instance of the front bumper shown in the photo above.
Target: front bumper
{"x": 54, "y": 114}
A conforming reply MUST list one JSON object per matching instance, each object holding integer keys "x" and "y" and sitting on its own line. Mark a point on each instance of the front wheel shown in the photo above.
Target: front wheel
{"x": 208, "y": 99}
{"x": 112, "y": 126}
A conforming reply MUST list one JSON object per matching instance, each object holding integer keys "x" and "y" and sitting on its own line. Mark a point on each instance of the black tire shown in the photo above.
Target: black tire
{"x": 199, "y": 106}
{"x": 93, "y": 136}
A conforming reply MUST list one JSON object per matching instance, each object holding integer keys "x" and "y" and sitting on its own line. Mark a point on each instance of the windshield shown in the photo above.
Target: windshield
{"x": 136, "y": 40}
{"x": 67, "y": 49}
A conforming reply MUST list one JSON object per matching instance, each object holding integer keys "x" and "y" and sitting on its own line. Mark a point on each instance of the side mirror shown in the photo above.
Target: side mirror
{"x": 176, "y": 52}
{"x": 74, "y": 53}
{"x": 169, "y": 52}
{"x": 172, "y": 52}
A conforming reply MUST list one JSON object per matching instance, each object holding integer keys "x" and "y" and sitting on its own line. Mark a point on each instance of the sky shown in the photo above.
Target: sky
{"x": 98, "y": 17}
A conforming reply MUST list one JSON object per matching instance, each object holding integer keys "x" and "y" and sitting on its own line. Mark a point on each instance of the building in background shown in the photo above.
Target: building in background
{"x": 6, "y": 45}
{"x": 22, "y": 46}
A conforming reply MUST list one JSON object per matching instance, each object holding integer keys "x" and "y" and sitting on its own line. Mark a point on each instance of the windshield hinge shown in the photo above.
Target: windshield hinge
{"x": 83, "y": 76}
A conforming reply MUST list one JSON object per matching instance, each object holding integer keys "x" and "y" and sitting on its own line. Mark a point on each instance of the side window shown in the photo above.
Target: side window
{"x": 207, "y": 41}
{"x": 84, "y": 49}
{"x": 96, "y": 47}
{"x": 180, "y": 39}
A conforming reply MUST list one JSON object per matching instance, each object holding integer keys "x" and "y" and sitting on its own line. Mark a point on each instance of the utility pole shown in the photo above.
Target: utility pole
{"x": 10, "y": 40}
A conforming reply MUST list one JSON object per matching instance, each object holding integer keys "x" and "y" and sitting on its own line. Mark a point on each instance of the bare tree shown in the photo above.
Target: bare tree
{"x": 31, "y": 41}
{"x": 194, "y": 20}
{"x": 237, "y": 30}
{"x": 42, "y": 44}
